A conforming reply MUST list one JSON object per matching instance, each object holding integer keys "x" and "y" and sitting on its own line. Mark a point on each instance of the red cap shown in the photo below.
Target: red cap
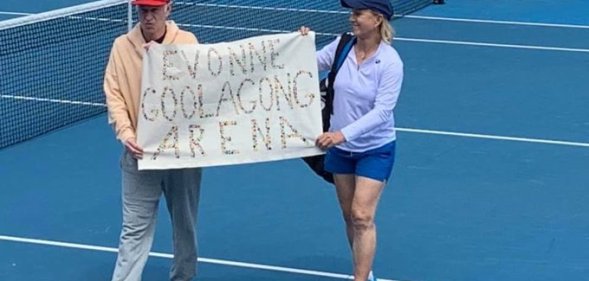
{"x": 153, "y": 3}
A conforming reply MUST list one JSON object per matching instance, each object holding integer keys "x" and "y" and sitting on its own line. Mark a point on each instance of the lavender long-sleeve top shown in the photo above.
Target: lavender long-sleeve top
{"x": 365, "y": 96}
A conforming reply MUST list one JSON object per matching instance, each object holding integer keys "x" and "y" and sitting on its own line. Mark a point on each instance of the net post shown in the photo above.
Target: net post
{"x": 129, "y": 15}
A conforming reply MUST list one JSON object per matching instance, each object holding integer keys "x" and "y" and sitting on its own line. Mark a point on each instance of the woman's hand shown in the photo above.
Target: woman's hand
{"x": 329, "y": 139}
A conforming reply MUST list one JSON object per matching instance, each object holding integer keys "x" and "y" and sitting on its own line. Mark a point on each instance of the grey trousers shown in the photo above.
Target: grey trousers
{"x": 140, "y": 195}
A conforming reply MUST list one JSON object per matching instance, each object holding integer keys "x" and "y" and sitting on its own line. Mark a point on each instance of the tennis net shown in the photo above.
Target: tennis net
{"x": 53, "y": 63}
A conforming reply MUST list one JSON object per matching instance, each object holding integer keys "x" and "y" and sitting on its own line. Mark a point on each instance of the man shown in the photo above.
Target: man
{"x": 141, "y": 190}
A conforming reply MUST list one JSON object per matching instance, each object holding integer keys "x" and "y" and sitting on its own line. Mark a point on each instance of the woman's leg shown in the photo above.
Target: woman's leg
{"x": 345, "y": 184}
{"x": 366, "y": 196}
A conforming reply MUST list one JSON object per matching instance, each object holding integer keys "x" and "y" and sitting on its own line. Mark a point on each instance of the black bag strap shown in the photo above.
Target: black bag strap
{"x": 341, "y": 52}
{"x": 344, "y": 46}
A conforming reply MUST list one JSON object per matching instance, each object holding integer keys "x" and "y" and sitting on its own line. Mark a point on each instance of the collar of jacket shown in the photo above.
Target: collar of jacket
{"x": 136, "y": 37}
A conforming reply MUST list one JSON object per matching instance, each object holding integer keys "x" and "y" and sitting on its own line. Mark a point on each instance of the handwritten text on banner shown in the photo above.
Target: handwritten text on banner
{"x": 246, "y": 101}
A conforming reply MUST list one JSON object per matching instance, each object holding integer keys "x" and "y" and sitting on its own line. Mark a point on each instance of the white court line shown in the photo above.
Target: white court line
{"x": 14, "y": 13}
{"x": 263, "y": 8}
{"x": 503, "y": 22}
{"x": 408, "y": 130}
{"x": 435, "y": 41}
{"x": 397, "y": 16}
{"x": 170, "y": 256}
{"x": 70, "y": 17}
{"x": 406, "y": 39}
{"x": 493, "y": 137}
{"x": 496, "y": 45}
{"x": 407, "y": 16}
{"x": 540, "y": 24}
{"x": 52, "y": 100}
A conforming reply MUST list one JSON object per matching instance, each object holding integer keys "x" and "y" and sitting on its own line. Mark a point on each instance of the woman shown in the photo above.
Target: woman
{"x": 361, "y": 141}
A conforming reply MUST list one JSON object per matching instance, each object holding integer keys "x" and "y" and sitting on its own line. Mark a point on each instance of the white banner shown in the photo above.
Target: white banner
{"x": 246, "y": 101}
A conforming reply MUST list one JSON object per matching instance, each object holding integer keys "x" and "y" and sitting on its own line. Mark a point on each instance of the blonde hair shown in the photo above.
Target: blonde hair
{"x": 387, "y": 33}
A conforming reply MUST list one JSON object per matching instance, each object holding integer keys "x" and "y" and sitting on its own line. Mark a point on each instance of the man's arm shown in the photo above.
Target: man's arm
{"x": 118, "y": 113}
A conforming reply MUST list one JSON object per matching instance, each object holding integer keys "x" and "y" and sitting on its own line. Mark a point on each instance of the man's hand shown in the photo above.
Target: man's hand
{"x": 304, "y": 30}
{"x": 148, "y": 45}
{"x": 329, "y": 139}
{"x": 133, "y": 148}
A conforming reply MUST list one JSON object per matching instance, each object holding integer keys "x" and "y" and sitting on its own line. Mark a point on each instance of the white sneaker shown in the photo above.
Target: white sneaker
{"x": 371, "y": 276}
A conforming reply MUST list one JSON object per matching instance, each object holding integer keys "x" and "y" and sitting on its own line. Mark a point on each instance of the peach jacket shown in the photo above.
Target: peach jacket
{"x": 122, "y": 79}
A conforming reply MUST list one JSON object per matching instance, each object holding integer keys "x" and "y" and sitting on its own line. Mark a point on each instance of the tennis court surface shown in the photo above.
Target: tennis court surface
{"x": 490, "y": 182}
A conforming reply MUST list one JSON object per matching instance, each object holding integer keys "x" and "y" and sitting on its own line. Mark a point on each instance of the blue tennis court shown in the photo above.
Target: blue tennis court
{"x": 490, "y": 182}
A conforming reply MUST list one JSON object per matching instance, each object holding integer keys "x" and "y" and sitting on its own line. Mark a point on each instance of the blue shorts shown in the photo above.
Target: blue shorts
{"x": 376, "y": 164}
